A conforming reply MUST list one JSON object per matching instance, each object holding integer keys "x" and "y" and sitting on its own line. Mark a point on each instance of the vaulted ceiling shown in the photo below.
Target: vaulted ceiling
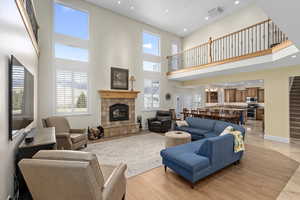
{"x": 180, "y": 17}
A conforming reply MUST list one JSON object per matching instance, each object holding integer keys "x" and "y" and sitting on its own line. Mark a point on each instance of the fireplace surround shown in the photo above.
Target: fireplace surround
{"x": 118, "y": 112}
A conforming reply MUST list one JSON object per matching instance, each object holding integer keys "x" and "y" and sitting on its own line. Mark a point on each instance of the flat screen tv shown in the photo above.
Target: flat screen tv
{"x": 21, "y": 97}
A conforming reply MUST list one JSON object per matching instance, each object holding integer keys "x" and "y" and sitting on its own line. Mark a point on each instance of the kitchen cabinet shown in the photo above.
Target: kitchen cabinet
{"x": 230, "y": 95}
{"x": 252, "y": 92}
{"x": 211, "y": 97}
{"x": 261, "y": 95}
{"x": 240, "y": 96}
{"x": 260, "y": 113}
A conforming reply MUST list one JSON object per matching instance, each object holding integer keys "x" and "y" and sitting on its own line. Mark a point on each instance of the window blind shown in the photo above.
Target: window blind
{"x": 71, "y": 91}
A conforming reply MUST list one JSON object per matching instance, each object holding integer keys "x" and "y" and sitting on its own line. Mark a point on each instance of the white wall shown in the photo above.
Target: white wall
{"x": 115, "y": 41}
{"x": 13, "y": 40}
{"x": 238, "y": 20}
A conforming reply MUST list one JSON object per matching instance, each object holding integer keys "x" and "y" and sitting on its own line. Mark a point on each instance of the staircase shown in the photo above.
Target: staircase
{"x": 295, "y": 108}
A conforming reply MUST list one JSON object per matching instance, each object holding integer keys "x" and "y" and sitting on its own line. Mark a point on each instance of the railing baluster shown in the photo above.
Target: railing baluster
{"x": 255, "y": 38}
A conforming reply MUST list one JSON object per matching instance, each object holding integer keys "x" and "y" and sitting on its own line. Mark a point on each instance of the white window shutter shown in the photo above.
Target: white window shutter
{"x": 80, "y": 88}
{"x": 64, "y": 91}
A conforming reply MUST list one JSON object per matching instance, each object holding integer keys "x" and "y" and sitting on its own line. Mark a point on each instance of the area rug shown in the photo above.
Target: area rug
{"x": 141, "y": 153}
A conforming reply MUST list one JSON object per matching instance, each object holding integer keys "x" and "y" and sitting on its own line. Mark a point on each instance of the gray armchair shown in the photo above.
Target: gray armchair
{"x": 76, "y": 175}
{"x": 67, "y": 138}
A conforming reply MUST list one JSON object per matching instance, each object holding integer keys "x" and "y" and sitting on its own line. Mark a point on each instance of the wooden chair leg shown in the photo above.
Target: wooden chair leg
{"x": 123, "y": 198}
{"x": 165, "y": 168}
{"x": 192, "y": 185}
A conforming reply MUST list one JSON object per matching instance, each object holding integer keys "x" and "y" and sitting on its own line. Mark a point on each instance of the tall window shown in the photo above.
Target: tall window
{"x": 151, "y": 94}
{"x": 151, "y": 44}
{"x": 71, "y": 59}
{"x": 151, "y": 63}
{"x": 196, "y": 101}
{"x": 151, "y": 66}
{"x": 71, "y": 22}
{"x": 175, "y": 59}
{"x": 175, "y": 48}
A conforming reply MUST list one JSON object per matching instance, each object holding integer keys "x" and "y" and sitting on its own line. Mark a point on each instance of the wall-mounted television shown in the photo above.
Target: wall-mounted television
{"x": 21, "y": 97}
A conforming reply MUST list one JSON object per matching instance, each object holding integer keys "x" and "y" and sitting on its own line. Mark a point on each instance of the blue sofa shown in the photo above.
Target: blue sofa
{"x": 205, "y": 128}
{"x": 198, "y": 159}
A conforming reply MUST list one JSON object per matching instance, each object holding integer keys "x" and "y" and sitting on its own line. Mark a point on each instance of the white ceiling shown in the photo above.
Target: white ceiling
{"x": 171, "y": 15}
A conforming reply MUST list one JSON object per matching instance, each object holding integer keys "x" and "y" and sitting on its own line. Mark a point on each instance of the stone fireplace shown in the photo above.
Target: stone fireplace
{"x": 118, "y": 112}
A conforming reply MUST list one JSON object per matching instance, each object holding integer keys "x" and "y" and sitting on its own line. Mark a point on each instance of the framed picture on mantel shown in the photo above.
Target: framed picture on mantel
{"x": 119, "y": 78}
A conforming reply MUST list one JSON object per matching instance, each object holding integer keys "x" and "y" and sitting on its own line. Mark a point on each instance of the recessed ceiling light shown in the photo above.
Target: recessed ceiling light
{"x": 119, "y": 2}
{"x": 294, "y": 56}
{"x": 131, "y": 7}
{"x": 206, "y": 18}
{"x": 167, "y": 10}
{"x": 185, "y": 30}
{"x": 236, "y": 2}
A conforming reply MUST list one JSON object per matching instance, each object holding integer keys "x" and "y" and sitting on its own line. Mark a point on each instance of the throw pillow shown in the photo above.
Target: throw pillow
{"x": 227, "y": 130}
{"x": 181, "y": 123}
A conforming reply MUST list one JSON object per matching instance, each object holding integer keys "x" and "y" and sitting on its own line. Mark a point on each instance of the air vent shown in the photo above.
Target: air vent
{"x": 215, "y": 12}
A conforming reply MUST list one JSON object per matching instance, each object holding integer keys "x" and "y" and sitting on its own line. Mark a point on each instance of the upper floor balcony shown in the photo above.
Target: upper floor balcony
{"x": 260, "y": 43}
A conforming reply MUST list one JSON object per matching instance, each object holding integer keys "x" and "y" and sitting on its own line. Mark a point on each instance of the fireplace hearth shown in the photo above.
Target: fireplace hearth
{"x": 118, "y": 112}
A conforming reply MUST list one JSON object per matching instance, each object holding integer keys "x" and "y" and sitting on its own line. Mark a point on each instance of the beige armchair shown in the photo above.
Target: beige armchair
{"x": 67, "y": 138}
{"x": 76, "y": 175}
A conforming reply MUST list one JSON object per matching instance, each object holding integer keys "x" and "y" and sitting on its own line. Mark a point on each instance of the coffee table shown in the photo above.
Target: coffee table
{"x": 174, "y": 138}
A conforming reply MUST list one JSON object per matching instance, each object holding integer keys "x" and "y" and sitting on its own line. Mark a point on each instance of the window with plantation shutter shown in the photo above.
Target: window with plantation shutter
{"x": 152, "y": 61}
{"x": 71, "y": 59}
{"x": 71, "y": 92}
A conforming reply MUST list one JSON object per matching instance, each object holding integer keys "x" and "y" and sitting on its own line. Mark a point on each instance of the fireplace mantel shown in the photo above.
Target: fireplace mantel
{"x": 118, "y": 94}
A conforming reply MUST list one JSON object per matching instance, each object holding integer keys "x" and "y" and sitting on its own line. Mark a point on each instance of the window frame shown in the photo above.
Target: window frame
{"x": 73, "y": 96}
{"x": 74, "y": 8}
{"x": 159, "y": 96}
{"x": 68, "y": 64}
{"x": 152, "y": 71}
{"x": 159, "y": 43}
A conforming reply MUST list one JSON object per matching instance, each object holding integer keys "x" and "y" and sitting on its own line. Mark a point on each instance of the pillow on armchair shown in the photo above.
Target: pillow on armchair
{"x": 181, "y": 123}
{"x": 227, "y": 130}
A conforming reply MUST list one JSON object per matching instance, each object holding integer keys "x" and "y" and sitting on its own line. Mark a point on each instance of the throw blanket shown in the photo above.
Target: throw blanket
{"x": 238, "y": 141}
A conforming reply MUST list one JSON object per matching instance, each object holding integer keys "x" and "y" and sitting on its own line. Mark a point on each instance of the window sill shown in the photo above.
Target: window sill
{"x": 150, "y": 110}
{"x": 72, "y": 114}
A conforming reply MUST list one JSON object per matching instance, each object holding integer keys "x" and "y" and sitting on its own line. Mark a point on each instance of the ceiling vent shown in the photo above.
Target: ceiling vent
{"x": 215, "y": 12}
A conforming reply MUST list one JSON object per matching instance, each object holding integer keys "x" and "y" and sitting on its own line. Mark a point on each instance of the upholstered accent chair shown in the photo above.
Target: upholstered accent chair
{"x": 161, "y": 123}
{"x": 67, "y": 138}
{"x": 76, "y": 175}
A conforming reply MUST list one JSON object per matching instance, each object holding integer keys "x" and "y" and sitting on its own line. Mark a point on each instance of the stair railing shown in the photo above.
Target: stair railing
{"x": 252, "y": 40}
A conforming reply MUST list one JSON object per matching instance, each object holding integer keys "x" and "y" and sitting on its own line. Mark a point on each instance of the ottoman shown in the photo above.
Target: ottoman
{"x": 174, "y": 138}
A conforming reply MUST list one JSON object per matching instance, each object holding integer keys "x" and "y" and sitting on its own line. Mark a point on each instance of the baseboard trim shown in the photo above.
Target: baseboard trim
{"x": 277, "y": 139}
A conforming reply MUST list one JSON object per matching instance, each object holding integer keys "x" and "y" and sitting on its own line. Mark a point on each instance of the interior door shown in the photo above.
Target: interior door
{"x": 179, "y": 105}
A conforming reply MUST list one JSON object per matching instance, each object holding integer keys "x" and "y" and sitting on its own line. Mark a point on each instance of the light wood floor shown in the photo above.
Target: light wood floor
{"x": 262, "y": 174}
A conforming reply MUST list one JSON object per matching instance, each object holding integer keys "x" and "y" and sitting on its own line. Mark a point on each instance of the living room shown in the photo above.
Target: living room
{"x": 115, "y": 79}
